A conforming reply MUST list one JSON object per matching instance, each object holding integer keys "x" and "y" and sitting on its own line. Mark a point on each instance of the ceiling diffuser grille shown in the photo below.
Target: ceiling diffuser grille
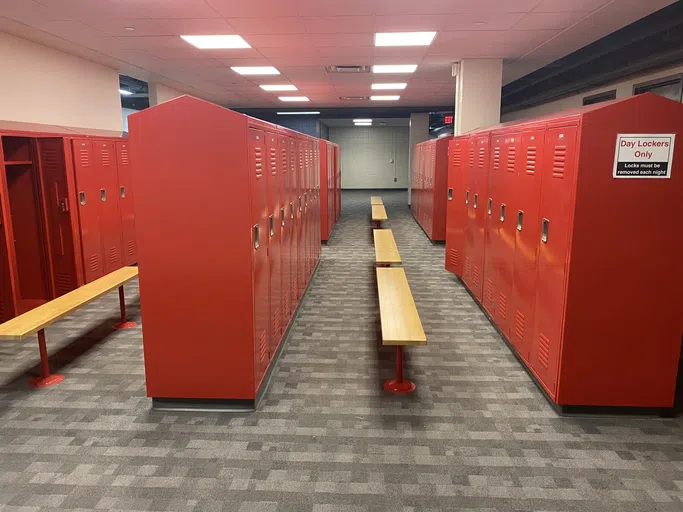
{"x": 347, "y": 69}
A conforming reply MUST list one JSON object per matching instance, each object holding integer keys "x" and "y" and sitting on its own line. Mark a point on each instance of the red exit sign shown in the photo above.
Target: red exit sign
{"x": 448, "y": 119}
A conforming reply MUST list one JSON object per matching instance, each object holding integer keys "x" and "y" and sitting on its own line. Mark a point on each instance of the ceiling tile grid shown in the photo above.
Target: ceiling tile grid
{"x": 301, "y": 37}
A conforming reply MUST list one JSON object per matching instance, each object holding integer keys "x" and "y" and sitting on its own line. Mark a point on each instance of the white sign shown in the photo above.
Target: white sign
{"x": 644, "y": 156}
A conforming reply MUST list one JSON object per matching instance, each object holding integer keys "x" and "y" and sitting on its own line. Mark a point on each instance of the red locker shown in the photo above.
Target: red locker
{"x": 108, "y": 205}
{"x": 285, "y": 228}
{"x": 125, "y": 173}
{"x": 429, "y": 186}
{"x": 302, "y": 265}
{"x": 295, "y": 220}
{"x": 456, "y": 216}
{"x": 496, "y": 211}
{"x": 274, "y": 241}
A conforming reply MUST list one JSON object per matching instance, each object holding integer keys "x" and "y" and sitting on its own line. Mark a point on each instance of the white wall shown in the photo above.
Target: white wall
{"x": 158, "y": 93}
{"x": 624, "y": 90}
{"x": 366, "y": 153}
{"x": 42, "y": 85}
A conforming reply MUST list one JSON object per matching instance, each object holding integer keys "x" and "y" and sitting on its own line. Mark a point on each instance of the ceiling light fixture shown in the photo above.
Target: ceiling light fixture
{"x": 404, "y": 38}
{"x": 255, "y": 70}
{"x": 362, "y": 120}
{"x": 362, "y": 124}
{"x": 283, "y": 87}
{"x": 298, "y": 113}
{"x": 123, "y": 92}
{"x": 384, "y": 98}
{"x": 130, "y": 29}
{"x": 379, "y": 87}
{"x": 391, "y": 68}
{"x": 216, "y": 42}
{"x": 293, "y": 98}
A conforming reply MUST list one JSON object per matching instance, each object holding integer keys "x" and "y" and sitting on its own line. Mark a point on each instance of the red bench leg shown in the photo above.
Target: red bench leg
{"x": 123, "y": 324}
{"x": 399, "y": 385}
{"x": 46, "y": 379}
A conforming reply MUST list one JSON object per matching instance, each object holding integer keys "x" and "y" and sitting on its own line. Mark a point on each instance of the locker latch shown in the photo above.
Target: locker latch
{"x": 520, "y": 219}
{"x": 81, "y": 198}
{"x": 301, "y": 204}
{"x": 489, "y": 206}
{"x": 64, "y": 205}
{"x": 282, "y": 217}
{"x": 123, "y": 192}
{"x": 271, "y": 226}
{"x": 256, "y": 240}
{"x": 544, "y": 231}
{"x": 502, "y": 212}
{"x": 476, "y": 197}
{"x": 103, "y": 195}
{"x": 450, "y": 194}
{"x": 467, "y": 197}
{"x": 291, "y": 210}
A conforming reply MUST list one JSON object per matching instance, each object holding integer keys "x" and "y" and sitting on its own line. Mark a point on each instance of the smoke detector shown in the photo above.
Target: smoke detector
{"x": 348, "y": 69}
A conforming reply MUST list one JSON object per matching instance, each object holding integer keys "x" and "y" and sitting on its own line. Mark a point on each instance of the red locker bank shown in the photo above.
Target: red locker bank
{"x": 574, "y": 217}
{"x": 328, "y": 194}
{"x": 429, "y": 183}
{"x": 228, "y": 224}
{"x": 66, "y": 211}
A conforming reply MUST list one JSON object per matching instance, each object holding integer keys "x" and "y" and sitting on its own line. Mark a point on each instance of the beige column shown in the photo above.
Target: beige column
{"x": 477, "y": 94}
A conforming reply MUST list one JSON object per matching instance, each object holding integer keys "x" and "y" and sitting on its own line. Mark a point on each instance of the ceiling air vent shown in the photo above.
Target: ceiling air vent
{"x": 354, "y": 98}
{"x": 347, "y": 69}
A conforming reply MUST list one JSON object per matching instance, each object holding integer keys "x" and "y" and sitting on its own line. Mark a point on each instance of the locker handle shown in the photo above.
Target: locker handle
{"x": 271, "y": 221}
{"x": 544, "y": 231}
{"x": 282, "y": 216}
{"x": 476, "y": 197}
{"x": 306, "y": 199}
{"x": 256, "y": 236}
{"x": 300, "y": 204}
{"x": 103, "y": 195}
{"x": 467, "y": 197}
{"x": 123, "y": 192}
{"x": 489, "y": 206}
{"x": 502, "y": 212}
{"x": 450, "y": 194}
{"x": 81, "y": 198}
{"x": 291, "y": 210}
{"x": 520, "y": 220}
{"x": 64, "y": 205}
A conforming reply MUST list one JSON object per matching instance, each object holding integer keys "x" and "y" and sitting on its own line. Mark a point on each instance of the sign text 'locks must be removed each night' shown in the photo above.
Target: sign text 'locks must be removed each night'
{"x": 644, "y": 156}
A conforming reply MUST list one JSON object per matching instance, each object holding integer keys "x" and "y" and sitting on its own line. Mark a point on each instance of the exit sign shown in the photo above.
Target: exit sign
{"x": 448, "y": 119}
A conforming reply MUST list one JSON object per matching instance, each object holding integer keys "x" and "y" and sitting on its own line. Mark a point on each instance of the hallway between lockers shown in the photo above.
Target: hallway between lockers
{"x": 477, "y": 434}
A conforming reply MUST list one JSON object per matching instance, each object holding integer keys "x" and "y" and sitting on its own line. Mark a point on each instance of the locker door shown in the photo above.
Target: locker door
{"x": 527, "y": 239}
{"x": 88, "y": 198}
{"x": 559, "y": 167}
{"x": 458, "y": 182}
{"x": 294, "y": 219}
{"x": 274, "y": 240}
{"x": 108, "y": 205}
{"x": 481, "y": 175}
{"x": 508, "y": 227}
{"x": 494, "y": 213}
{"x": 301, "y": 248}
{"x": 470, "y": 185}
{"x": 57, "y": 209}
{"x": 285, "y": 232}
{"x": 259, "y": 238}
{"x": 125, "y": 193}
{"x": 6, "y": 299}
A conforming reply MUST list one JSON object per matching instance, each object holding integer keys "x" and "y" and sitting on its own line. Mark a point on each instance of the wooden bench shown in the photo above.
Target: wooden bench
{"x": 386, "y": 252}
{"x": 379, "y": 214}
{"x": 36, "y": 320}
{"x": 376, "y": 200}
{"x": 401, "y": 325}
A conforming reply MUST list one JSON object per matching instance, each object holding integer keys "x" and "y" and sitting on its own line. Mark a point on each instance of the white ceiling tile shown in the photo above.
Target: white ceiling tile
{"x": 311, "y": 8}
{"x": 31, "y": 11}
{"x": 550, "y": 20}
{"x": 339, "y": 25}
{"x": 171, "y": 8}
{"x": 117, "y": 26}
{"x": 197, "y": 26}
{"x": 260, "y": 9}
{"x": 340, "y": 40}
{"x": 274, "y": 25}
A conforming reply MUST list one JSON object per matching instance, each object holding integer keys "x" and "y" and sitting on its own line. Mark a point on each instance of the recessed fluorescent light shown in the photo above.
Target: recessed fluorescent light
{"x": 297, "y": 113}
{"x": 123, "y": 92}
{"x": 400, "y": 68}
{"x": 362, "y": 120}
{"x": 384, "y": 98}
{"x": 129, "y": 29}
{"x": 362, "y": 124}
{"x": 293, "y": 98}
{"x": 216, "y": 42}
{"x": 378, "y": 87}
{"x": 283, "y": 87}
{"x": 404, "y": 38}
{"x": 255, "y": 70}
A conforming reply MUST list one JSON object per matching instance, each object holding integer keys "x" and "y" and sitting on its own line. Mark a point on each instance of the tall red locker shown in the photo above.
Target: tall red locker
{"x": 108, "y": 205}
{"x": 285, "y": 227}
{"x": 294, "y": 216}
{"x": 429, "y": 194}
{"x": 456, "y": 211}
{"x": 125, "y": 191}
{"x": 325, "y": 223}
{"x": 273, "y": 171}
{"x": 302, "y": 265}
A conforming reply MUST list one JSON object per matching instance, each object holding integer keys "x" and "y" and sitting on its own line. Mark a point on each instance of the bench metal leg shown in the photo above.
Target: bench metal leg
{"x": 378, "y": 224}
{"x": 46, "y": 379}
{"x": 399, "y": 385}
{"x": 123, "y": 324}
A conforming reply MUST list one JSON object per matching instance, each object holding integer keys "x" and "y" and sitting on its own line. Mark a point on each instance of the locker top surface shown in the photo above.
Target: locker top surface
{"x": 49, "y": 130}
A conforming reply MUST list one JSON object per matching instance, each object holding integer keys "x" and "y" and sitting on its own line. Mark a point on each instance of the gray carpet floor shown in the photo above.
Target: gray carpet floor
{"x": 476, "y": 435}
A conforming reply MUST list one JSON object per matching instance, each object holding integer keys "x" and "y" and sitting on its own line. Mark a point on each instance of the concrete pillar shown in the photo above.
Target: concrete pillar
{"x": 419, "y": 131}
{"x": 477, "y": 94}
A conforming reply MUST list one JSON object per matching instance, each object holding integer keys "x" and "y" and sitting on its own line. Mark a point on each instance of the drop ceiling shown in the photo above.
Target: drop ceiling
{"x": 301, "y": 37}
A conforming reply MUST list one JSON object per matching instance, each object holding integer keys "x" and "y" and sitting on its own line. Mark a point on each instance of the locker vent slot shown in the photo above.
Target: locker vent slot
{"x": 482, "y": 154}
{"x": 496, "y": 159}
{"x": 284, "y": 161}
{"x": 468, "y": 264}
{"x": 85, "y": 157}
{"x": 512, "y": 153}
{"x": 51, "y": 160}
{"x": 531, "y": 160}
{"x": 94, "y": 264}
{"x": 559, "y": 159}
{"x": 273, "y": 161}
{"x": 294, "y": 294}
{"x": 453, "y": 257}
{"x": 2, "y": 312}
{"x": 105, "y": 157}
{"x": 475, "y": 275}
{"x": 457, "y": 157}
{"x": 286, "y": 304}
{"x": 263, "y": 346}
{"x": 471, "y": 157}
{"x": 124, "y": 155}
{"x": 131, "y": 248}
{"x": 503, "y": 306}
{"x": 259, "y": 162}
{"x": 276, "y": 322}
{"x": 113, "y": 255}
{"x": 63, "y": 283}
{"x": 519, "y": 326}
{"x": 489, "y": 289}
{"x": 543, "y": 350}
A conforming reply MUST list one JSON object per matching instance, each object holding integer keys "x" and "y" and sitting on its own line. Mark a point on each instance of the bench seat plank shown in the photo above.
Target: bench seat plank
{"x": 386, "y": 252}
{"x": 376, "y": 200}
{"x": 401, "y": 323}
{"x": 378, "y": 213}
{"x": 33, "y": 321}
